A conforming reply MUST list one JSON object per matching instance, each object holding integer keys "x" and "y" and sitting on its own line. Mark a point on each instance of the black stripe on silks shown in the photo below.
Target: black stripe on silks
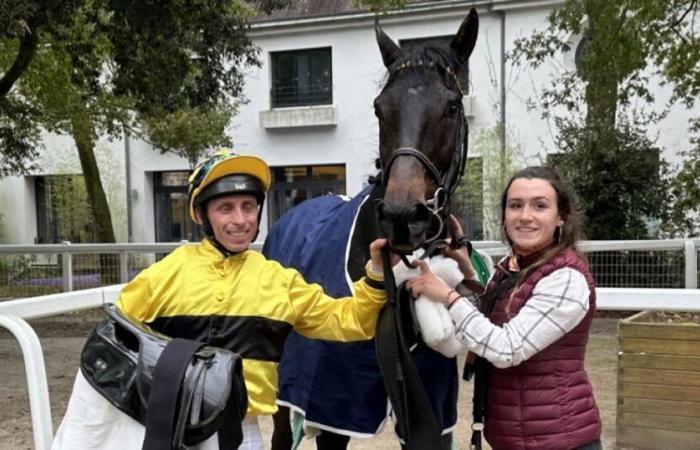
{"x": 251, "y": 337}
{"x": 376, "y": 284}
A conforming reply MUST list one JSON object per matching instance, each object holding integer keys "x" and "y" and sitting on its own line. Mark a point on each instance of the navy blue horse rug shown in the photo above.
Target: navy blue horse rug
{"x": 338, "y": 386}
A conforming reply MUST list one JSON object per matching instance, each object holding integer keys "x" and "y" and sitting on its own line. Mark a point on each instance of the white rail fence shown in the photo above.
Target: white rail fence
{"x": 15, "y": 313}
{"x": 46, "y": 269}
{"x": 671, "y": 263}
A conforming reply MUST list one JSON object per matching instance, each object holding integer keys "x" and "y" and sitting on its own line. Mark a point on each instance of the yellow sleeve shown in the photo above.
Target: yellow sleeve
{"x": 135, "y": 297}
{"x": 345, "y": 319}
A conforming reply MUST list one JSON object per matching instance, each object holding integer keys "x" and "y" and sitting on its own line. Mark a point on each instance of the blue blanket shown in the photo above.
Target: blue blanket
{"x": 338, "y": 386}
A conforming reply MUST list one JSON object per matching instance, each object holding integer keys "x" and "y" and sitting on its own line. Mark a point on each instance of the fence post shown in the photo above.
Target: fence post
{"x": 123, "y": 267}
{"x": 35, "y": 371}
{"x": 691, "y": 265}
{"x": 67, "y": 269}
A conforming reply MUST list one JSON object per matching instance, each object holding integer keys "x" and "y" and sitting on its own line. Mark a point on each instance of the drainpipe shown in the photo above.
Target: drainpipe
{"x": 127, "y": 169}
{"x": 503, "y": 94}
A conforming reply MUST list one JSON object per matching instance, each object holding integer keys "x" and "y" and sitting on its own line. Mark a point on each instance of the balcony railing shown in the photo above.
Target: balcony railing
{"x": 293, "y": 95}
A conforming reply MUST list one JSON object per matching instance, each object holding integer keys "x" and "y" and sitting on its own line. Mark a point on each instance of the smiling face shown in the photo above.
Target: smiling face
{"x": 531, "y": 214}
{"x": 234, "y": 220}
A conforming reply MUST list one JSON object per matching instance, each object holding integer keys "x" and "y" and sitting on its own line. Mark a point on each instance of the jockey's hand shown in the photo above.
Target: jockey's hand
{"x": 459, "y": 254}
{"x": 429, "y": 285}
{"x": 375, "y": 253}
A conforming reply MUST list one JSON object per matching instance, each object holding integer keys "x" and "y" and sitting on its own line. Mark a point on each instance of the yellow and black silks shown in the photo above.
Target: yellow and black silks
{"x": 246, "y": 304}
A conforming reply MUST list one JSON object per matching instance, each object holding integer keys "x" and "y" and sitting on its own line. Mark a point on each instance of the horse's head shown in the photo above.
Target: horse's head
{"x": 422, "y": 129}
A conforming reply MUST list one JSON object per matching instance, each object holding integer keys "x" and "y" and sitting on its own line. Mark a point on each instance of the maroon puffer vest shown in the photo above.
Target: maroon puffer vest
{"x": 547, "y": 401}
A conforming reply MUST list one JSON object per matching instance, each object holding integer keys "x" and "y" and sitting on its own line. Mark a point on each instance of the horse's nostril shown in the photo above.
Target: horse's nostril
{"x": 404, "y": 225}
{"x": 419, "y": 220}
{"x": 421, "y": 213}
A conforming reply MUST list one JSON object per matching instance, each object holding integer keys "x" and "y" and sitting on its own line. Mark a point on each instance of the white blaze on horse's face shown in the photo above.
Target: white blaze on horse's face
{"x": 420, "y": 114}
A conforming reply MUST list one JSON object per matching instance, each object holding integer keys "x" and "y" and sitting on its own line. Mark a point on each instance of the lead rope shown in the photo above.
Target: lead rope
{"x": 417, "y": 423}
{"x": 390, "y": 286}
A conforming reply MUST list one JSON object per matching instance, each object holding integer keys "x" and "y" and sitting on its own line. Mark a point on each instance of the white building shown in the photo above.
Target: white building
{"x": 310, "y": 116}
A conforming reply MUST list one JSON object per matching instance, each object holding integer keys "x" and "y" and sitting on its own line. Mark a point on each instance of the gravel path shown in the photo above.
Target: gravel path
{"x": 62, "y": 338}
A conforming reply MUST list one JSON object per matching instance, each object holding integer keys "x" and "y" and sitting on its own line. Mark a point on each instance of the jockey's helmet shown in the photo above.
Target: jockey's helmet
{"x": 225, "y": 173}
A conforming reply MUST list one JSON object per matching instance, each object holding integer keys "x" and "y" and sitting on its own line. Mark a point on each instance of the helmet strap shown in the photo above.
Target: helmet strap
{"x": 261, "y": 202}
{"x": 219, "y": 246}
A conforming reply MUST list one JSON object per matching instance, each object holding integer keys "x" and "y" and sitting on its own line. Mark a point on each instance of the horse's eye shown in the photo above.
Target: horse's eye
{"x": 454, "y": 108}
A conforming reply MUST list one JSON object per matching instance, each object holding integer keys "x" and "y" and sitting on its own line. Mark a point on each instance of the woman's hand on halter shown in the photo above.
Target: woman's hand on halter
{"x": 459, "y": 254}
{"x": 375, "y": 253}
{"x": 429, "y": 285}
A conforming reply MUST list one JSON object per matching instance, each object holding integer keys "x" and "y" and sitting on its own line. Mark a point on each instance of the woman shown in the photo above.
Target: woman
{"x": 539, "y": 396}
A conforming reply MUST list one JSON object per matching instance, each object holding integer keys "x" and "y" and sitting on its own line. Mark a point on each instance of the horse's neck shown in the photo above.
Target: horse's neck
{"x": 366, "y": 230}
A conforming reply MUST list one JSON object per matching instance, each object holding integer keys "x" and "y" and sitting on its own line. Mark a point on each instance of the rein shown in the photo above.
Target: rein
{"x": 416, "y": 421}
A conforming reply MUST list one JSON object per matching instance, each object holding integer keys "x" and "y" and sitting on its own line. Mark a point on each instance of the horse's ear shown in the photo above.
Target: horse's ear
{"x": 465, "y": 39}
{"x": 388, "y": 48}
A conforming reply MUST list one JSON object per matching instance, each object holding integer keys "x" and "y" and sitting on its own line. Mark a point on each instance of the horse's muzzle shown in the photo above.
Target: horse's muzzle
{"x": 405, "y": 225}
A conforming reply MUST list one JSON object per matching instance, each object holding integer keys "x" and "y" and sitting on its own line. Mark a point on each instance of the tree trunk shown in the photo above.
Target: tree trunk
{"x": 84, "y": 136}
{"x": 27, "y": 49}
{"x": 600, "y": 73}
{"x": 599, "y": 135}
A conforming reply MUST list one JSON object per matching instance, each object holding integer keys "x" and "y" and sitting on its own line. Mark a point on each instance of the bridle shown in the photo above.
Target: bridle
{"x": 439, "y": 204}
{"x": 416, "y": 420}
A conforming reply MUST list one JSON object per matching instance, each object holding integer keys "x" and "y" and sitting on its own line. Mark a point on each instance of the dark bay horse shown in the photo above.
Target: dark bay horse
{"x": 422, "y": 153}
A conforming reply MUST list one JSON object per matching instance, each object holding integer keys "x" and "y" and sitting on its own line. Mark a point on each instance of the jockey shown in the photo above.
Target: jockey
{"x": 223, "y": 294}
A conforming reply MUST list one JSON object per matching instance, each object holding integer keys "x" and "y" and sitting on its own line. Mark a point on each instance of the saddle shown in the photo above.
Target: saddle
{"x": 181, "y": 390}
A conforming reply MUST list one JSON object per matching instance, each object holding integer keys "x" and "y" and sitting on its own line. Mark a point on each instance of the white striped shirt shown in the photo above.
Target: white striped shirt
{"x": 558, "y": 303}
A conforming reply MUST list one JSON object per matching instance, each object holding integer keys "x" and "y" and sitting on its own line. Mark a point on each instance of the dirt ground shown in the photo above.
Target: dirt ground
{"x": 62, "y": 338}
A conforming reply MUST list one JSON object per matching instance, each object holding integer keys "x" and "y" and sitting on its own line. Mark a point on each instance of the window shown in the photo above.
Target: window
{"x": 292, "y": 185}
{"x": 301, "y": 78}
{"x": 580, "y": 53}
{"x": 63, "y": 212}
{"x": 462, "y": 75}
{"x": 172, "y": 216}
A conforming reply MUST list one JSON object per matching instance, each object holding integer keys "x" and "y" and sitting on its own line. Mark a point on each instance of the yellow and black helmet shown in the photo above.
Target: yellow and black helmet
{"x": 224, "y": 173}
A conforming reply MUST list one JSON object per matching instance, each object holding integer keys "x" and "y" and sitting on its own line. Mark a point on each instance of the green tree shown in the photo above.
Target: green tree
{"x": 616, "y": 170}
{"x": 187, "y": 132}
{"x": 69, "y": 205}
{"x": 20, "y": 22}
{"x": 683, "y": 196}
{"x": 96, "y": 67}
{"x": 486, "y": 176}
{"x": 92, "y": 68}
{"x": 620, "y": 185}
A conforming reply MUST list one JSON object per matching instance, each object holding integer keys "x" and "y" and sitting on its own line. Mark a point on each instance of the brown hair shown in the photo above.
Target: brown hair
{"x": 566, "y": 236}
